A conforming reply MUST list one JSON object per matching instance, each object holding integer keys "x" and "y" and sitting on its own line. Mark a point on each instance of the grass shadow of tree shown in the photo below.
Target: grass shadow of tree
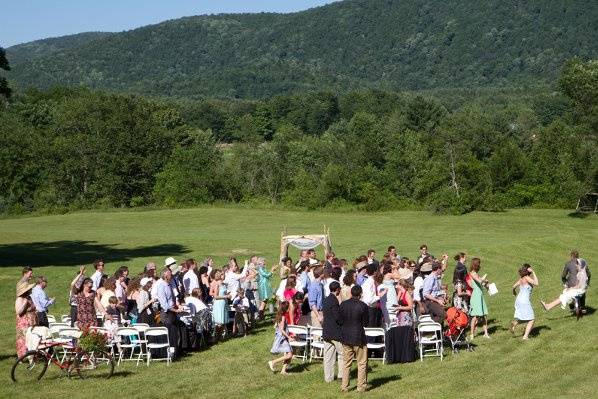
{"x": 72, "y": 253}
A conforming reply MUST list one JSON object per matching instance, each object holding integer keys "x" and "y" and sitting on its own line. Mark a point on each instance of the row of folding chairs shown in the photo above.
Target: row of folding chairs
{"x": 309, "y": 345}
{"x": 136, "y": 342}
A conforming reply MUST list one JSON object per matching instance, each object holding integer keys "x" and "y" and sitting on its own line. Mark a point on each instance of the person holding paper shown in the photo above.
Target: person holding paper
{"x": 477, "y": 307}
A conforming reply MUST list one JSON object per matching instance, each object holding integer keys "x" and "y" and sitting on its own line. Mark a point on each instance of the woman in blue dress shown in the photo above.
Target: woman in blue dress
{"x": 220, "y": 302}
{"x": 523, "y": 306}
{"x": 281, "y": 340}
{"x": 263, "y": 285}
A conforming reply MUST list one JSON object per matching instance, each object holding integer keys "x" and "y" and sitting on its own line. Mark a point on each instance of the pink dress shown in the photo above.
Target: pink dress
{"x": 29, "y": 319}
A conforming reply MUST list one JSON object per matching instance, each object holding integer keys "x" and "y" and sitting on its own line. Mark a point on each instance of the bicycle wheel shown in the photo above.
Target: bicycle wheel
{"x": 94, "y": 365}
{"x": 30, "y": 367}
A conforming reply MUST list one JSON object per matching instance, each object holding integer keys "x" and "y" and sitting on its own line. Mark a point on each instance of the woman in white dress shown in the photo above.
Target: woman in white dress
{"x": 523, "y": 306}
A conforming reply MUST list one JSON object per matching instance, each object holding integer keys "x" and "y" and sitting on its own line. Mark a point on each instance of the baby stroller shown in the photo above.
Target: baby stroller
{"x": 457, "y": 321}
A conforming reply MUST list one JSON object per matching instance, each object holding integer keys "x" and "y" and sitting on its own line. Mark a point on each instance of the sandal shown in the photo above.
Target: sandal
{"x": 271, "y": 365}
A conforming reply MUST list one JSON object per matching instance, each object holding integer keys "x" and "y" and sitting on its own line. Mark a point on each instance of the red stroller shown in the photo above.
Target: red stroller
{"x": 457, "y": 322}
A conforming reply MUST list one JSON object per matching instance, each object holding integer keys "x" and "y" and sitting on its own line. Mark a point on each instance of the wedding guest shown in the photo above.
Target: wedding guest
{"x": 220, "y": 297}
{"x": 87, "y": 304}
{"x": 315, "y": 296}
{"x": 204, "y": 284}
{"x": 331, "y": 333}
{"x": 26, "y": 314}
{"x": 434, "y": 296}
{"x": 41, "y": 301}
{"x": 264, "y": 287}
{"x": 169, "y": 310}
{"x": 109, "y": 289}
{"x": 97, "y": 275}
{"x": 461, "y": 295}
{"x": 26, "y": 274}
{"x": 348, "y": 283}
{"x": 144, "y": 303}
{"x": 523, "y": 305}
{"x": 404, "y": 350}
{"x": 354, "y": 318}
{"x": 370, "y": 297}
{"x": 281, "y": 340}
{"x": 478, "y": 308}
{"x": 190, "y": 278}
{"x": 74, "y": 288}
{"x": 569, "y": 293}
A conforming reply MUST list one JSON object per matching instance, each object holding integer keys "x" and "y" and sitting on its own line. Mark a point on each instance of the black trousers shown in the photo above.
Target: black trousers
{"x": 73, "y": 315}
{"x": 374, "y": 317}
{"x": 170, "y": 321}
{"x": 42, "y": 319}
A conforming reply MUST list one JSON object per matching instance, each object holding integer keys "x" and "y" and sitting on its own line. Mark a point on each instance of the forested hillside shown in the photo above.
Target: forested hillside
{"x": 386, "y": 44}
{"x": 66, "y": 149}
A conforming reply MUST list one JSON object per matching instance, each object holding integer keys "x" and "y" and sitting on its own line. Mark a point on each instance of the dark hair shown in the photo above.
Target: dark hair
{"x": 134, "y": 285}
{"x": 298, "y": 296}
{"x": 386, "y": 268}
{"x": 103, "y": 280}
{"x": 459, "y": 256}
{"x": 190, "y": 262}
{"x": 459, "y": 274}
{"x": 356, "y": 291}
{"x": 202, "y": 270}
{"x": 334, "y": 286}
{"x": 26, "y": 269}
{"x": 304, "y": 264}
{"x": 85, "y": 281}
{"x": 574, "y": 254}
{"x": 371, "y": 251}
{"x": 318, "y": 271}
{"x": 196, "y": 293}
{"x": 291, "y": 282}
{"x": 523, "y": 270}
{"x": 475, "y": 265}
{"x": 423, "y": 246}
{"x": 372, "y": 268}
{"x": 349, "y": 278}
{"x": 97, "y": 262}
{"x": 110, "y": 284}
{"x": 336, "y": 273}
{"x": 435, "y": 266}
{"x": 282, "y": 309}
{"x": 286, "y": 259}
{"x": 390, "y": 248}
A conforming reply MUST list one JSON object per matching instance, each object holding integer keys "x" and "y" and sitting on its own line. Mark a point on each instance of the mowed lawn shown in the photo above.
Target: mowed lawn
{"x": 559, "y": 361}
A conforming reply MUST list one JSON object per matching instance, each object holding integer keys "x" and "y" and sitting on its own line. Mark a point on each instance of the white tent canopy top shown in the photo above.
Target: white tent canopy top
{"x": 304, "y": 242}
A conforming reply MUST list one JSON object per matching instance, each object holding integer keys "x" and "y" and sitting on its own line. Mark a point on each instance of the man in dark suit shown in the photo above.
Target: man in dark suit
{"x": 354, "y": 318}
{"x": 331, "y": 332}
{"x": 569, "y": 276}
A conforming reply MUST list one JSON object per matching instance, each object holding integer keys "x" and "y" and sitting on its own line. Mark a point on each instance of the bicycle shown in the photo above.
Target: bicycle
{"x": 33, "y": 364}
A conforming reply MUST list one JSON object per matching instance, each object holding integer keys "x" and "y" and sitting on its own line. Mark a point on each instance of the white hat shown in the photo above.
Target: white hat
{"x": 145, "y": 280}
{"x": 169, "y": 261}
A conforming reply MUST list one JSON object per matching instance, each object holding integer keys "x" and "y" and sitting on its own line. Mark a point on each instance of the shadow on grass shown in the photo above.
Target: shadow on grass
{"x": 298, "y": 368}
{"x": 11, "y": 356}
{"x": 72, "y": 253}
{"x": 121, "y": 373}
{"x": 579, "y": 215}
{"x": 536, "y": 330}
{"x": 380, "y": 381}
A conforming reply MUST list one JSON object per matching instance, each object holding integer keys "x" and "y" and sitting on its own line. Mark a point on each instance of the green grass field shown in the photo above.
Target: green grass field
{"x": 558, "y": 361}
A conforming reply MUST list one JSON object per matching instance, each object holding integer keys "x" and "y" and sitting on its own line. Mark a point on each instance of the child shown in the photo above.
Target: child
{"x": 113, "y": 317}
{"x": 281, "y": 340}
{"x": 242, "y": 310}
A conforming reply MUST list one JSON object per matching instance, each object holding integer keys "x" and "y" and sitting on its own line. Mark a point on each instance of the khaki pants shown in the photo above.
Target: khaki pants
{"x": 361, "y": 354}
{"x": 314, "y": 320}
{"x": 332, "y": 350}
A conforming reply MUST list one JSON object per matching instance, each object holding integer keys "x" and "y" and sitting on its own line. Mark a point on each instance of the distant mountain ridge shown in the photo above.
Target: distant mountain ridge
{"x": 390, "y": 44}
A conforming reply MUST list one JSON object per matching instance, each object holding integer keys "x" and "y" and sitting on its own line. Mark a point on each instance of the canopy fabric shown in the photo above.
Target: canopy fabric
{"x": 303, "y": 242}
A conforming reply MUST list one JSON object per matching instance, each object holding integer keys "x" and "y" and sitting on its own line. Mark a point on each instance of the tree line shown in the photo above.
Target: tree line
{"x": 65, "y": 149}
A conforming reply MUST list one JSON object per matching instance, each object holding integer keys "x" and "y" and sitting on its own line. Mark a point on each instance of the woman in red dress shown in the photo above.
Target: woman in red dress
{"x": 26, "y": 315}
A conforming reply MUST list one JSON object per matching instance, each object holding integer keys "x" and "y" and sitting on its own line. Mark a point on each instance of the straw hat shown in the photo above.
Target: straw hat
{"x": 23, "y": 287}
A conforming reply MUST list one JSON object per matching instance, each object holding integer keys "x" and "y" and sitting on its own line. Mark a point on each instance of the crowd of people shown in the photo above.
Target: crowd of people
{"x": 341, "y": 297}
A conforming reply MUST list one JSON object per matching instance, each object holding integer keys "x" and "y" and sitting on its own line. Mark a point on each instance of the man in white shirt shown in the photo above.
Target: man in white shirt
{"x": 97, "y": 275}
{"x": 233, "y": 278}
{"x": 371, "y": 298}
{"x": 190, "y": 279}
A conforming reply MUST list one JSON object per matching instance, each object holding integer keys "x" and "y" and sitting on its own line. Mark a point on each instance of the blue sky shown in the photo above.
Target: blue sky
{"x": 26, "y": 20}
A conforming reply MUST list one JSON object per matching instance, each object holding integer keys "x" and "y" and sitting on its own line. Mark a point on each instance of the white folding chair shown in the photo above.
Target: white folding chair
{"x": 55, "y": 327}
{"x": 301, "y": 334}
{"x": 159, "y": 334}
{"x": 51, "y": 319}
{"x": 127, "y": 338}
{"x": 316, "y": 343}
{"x": 65, "y": 318}
{"x": 67, "y": 336}
{"x": 425, "y": 318}
{"x": 376, "y": 333}
{"x": 429, "y": 334}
